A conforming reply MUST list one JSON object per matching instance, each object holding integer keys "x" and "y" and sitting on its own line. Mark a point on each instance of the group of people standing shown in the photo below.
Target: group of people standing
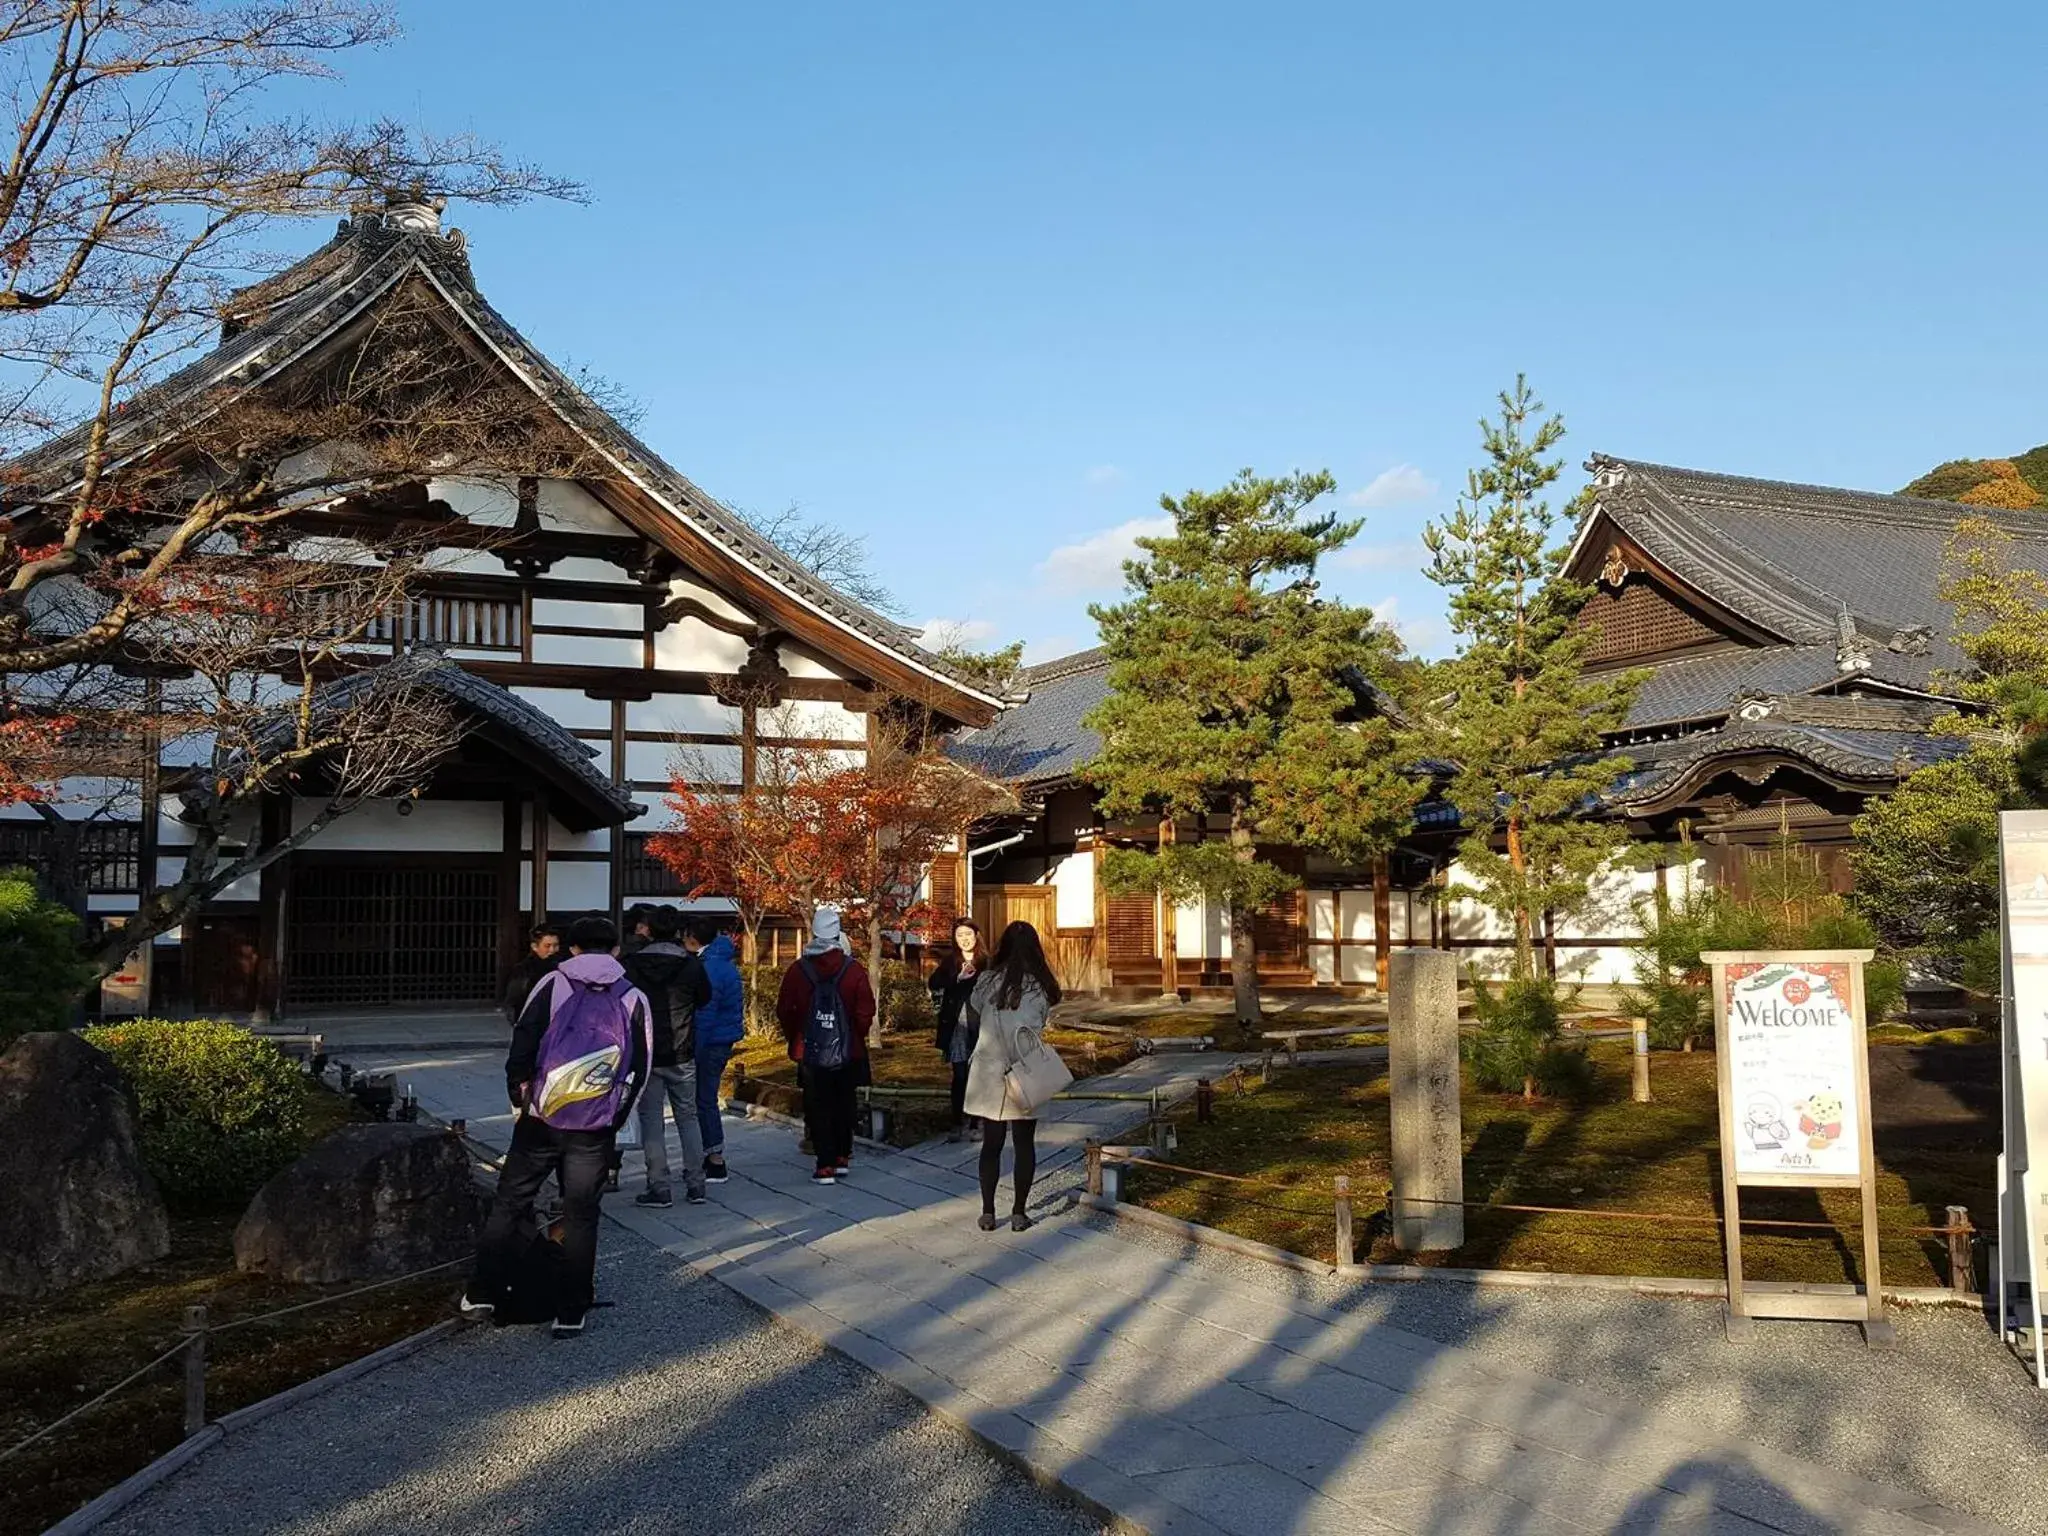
{"x": 604, "y": 1037}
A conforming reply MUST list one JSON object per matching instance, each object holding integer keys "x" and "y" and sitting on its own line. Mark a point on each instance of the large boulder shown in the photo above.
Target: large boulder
{"x": 367, "y": 1202}
{"x": 79, "y": 1205}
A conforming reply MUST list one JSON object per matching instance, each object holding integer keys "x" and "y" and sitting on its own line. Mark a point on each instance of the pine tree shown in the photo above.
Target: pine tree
{"x": 1515, "y": 709}
{"x": 1235, "y": 691}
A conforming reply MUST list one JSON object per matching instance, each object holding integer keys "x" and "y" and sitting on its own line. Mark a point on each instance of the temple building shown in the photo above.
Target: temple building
{"x": 1796, "y": 647}
{"x": 586, "y": 629}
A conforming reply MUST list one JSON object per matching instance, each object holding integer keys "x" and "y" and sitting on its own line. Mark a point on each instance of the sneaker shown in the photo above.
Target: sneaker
{"x": 568, "y": 1325}
{"x": 1019, "y": 1222}
{"x": 695, "y": 1197}
{"x": 988, "y": 1221}
{"x": 479, "y": 1310}
{"x": 714, "y": 1170}
{"x": 843, "y": 1169}
{"x": 659, "y": 1200}
{"x": 825, "y": 1176}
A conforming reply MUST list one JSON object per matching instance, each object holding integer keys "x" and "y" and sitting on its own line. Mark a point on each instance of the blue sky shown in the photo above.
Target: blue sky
{"x": 980, "y": 283}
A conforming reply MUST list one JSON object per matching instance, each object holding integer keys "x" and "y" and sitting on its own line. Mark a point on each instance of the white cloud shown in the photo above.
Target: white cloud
{"x": 1401, "y": 486}
{"x": 1096, "y": 563}
{"x": 1424, "y": 635}
{"x": 939, "y": 633}
{"x": 1401, "y": 554}
{"x": 1104, "y": 474}
{"x": 1050, "y": 649}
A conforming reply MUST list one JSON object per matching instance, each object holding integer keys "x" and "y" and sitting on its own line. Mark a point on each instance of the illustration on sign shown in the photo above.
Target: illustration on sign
{"x": 1792, "y": 1032}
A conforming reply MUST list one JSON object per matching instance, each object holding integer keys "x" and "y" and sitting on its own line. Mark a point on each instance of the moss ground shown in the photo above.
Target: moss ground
{"x": 1936, "y": 1134}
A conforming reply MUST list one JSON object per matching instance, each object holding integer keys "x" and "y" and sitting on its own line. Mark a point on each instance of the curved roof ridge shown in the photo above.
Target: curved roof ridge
{"x": 1916, "y": 508}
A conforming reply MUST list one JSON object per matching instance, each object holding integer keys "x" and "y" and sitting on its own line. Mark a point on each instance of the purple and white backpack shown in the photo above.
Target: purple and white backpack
{"x": 584, "y": 1078}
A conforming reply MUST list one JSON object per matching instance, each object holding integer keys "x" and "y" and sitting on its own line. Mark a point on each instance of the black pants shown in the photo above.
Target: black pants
{"x": 829, "y": 1106}
{"x": 537, "y": 1151}
{"x": 1023, "y": 1135}
{"x": 959, "y": 1094}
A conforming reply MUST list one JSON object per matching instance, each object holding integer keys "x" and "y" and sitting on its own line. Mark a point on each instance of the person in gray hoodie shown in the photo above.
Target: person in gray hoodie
{"x": 676, "y": 986}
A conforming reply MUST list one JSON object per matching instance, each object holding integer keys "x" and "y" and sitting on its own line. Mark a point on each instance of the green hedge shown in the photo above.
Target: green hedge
{"x": 222, "y": 1110}
{"x": 41, "y": 970}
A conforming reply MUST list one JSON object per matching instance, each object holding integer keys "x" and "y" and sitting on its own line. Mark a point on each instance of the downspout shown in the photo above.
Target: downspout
{"x": 985, "y": 848}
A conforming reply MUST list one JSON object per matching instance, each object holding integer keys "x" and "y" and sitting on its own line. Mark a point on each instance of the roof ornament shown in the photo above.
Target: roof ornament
{"x": 413, "y": 212}
{"x": 1914, "y": 640}
{"x": 1751, "y": 705}
{"x": 1616, "y": 571}
{"x": 1607, "y": 473}
{"x": 1852, "y": 650}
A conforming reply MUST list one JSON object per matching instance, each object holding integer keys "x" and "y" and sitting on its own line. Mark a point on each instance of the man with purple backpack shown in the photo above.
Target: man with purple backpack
{"x": 580, "y": 1058}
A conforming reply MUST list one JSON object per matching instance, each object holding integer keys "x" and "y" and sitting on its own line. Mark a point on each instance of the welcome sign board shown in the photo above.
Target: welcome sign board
{"x": 2023, "y": 1166}
{"x": 1793, "y": 1043}
{"x": 1792, "y": 1053}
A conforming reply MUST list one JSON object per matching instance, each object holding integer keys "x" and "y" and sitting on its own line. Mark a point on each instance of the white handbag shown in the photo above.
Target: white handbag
{"x": 1034, "y": 1077}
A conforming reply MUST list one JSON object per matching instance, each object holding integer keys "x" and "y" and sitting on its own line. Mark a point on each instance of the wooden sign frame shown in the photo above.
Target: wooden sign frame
{"x": 1750, "y": 1300}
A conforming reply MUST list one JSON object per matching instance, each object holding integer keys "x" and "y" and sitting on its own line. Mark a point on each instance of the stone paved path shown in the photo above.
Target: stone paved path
{"x": 1181, "y": 1400}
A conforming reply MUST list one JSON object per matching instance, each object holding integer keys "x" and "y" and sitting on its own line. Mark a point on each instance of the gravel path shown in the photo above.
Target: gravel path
{"x": 681, "y": 1409}
{"x": 1948, "y": 1412}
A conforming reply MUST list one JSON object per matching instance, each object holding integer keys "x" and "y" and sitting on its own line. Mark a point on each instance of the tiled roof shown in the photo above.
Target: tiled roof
{"x": 1792, "y": 559}
{"x": 543, "y": 742}
{"x": 1875, "y": 755}
{"x": 1708, "y": 686}
{"x": 1042, "y": 739}
{"x": 367, "y": 255}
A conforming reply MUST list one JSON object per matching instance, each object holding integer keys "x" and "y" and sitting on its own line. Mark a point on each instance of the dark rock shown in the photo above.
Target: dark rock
{"x": 365, "y": 1203}
{"x": 79, "y": 1205}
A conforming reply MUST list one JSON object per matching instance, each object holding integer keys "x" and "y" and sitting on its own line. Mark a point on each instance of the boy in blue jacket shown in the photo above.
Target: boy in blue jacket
{"x": 720, "y": 1024}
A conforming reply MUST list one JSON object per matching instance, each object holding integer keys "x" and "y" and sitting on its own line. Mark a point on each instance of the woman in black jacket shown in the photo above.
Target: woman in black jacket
{"x": 950, "y": 984}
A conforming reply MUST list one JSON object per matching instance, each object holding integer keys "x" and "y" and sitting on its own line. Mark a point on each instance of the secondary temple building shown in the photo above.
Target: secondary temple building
{"x": 585, "y": 629}
{"x": 1796, "y": 647}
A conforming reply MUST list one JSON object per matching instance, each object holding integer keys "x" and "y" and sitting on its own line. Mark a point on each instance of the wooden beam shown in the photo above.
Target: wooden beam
{"x": 511, "y": 930}
{"x": 272, "y": 933}
{"x": 1382, "y": 922}
{"x": 540, "y": 858}
{"x": 617, "y": 836}
{"x": 1169, "y": 924}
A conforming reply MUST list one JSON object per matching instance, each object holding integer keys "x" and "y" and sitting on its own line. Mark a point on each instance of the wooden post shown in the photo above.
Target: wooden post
{"x": 195, "y": 1370}
{"x": 615, "y": 894}
{"x": 274, "y": 821}
{"x": 1641, "y": 1065}
{"x": 1962, "y": 1268}
{"x": 540, "y": 859}
{"x": 1205, "y": 1101}
{"x": 1092, "y": 1151}
{"x": 1382, "y": 923}
{"x": 1345, "y": 1252}
{"x": 1169, "y": 925}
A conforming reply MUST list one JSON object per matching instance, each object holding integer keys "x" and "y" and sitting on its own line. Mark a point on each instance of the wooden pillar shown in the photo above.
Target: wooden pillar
{"x": 540, "y": 858}
{"x": 274, "y": 896}
{"x": 1169, "y": 924}
{"x": 750, "y": 736}
{"x": 1382, "y": 921}
{"x": 1105, "y": 977}
{"x": 616, "y": 895}
{"x": 511, "y": 919}
{"x": 149, "y": 790}
{"x": 1550, "y": 943}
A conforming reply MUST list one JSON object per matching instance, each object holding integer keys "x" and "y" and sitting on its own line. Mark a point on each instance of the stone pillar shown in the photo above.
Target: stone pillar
{"x": 1422, "y": 1083}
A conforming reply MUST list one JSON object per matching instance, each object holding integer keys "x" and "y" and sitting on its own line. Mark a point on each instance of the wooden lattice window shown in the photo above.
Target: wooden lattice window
{"x": 451, "y": 618}
{"x": 109, "y": 853}
{"x": 945, "y": 886}
{"x": 1643, "y": 619}
{"x": 642, "y": 874}
{"x": 1133, "y": 928}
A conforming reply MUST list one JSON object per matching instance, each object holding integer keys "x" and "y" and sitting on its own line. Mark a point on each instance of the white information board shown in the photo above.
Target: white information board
{"x": 2022, "y": 1201}
{"x": 1793, "y": 1041}
{"x": 1792, "y": 1055}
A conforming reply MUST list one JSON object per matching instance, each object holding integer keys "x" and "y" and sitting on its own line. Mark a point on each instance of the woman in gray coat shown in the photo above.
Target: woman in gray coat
{"x": 1010, "y": 1001}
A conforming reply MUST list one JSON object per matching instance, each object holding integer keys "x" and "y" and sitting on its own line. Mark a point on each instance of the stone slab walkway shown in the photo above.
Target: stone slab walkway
{"x": 1178, "y": 1399}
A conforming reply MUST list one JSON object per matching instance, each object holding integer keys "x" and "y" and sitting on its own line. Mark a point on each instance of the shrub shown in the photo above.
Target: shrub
{"x": 221, "y": 1109}
{"x": 41, "y": 969}
{"x": 902, "y": 998}
{"x": 1518, "y": 1023}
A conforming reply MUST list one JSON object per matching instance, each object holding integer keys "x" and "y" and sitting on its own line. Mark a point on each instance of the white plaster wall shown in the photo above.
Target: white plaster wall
{"x": 588, "y": 651}
{"x": 654, "y": 760}
{"x": 1354, "y": 913}
{"x": 799, "y": 662}
{"x": 1189, "y": 921}
{"x": 589, "y": 568}
{"x": 691, "y": 645}
{"x": 1073, "y": 883}
{"x": 434, "y": 826}
{"x": 565, "y": 505}
{"x": 468, "y": 562}
{"x": 570, "y": 708}
{"x": 815, "y": 718}
{"x": 1611, "y": 910}
{"x": 492, "y": 502}
{"x": 692, "y": 714}
{"x": 716, "y": 601}
{"x": 566, "y": 610}
{"x": 1322, "y": 915}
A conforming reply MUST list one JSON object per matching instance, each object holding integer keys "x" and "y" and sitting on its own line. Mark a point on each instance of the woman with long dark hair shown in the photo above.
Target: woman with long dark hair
{"x": 1010, "y": 1003}
{"x": 951, "y": 985}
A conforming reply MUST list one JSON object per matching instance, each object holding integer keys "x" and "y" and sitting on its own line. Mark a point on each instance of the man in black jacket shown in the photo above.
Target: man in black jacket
{"x": 543, "y": 954}
{"x": 675, "y": 984}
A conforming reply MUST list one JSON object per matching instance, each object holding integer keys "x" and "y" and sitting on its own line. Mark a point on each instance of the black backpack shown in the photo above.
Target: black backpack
{"x": 826, "y": 1029}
